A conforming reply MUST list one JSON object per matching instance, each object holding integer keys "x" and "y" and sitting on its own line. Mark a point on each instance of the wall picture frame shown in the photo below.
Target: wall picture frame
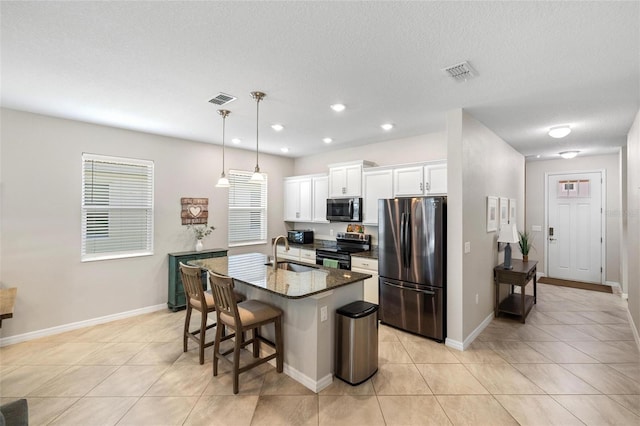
{"x": 512, "y": 211}
{"x": 492, "y": 213}
{"x": 504, "y": 211}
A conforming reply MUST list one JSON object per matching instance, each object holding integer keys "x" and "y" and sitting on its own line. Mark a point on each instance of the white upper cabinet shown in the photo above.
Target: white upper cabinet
{"x": 377, "y": 184}
{"x": 320, "y": 186}
{"x": 345, "y": 179}
{"x": 297, "y": 199}
{"x": 420, "y": 180}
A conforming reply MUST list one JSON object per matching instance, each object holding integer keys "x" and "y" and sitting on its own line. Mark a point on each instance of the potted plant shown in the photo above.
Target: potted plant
{"x": 525, "y": 244}
{"x": 200, "y": 232}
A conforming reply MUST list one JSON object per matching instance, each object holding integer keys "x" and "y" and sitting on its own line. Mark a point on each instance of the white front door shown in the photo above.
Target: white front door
{"x": 575, "y": 232}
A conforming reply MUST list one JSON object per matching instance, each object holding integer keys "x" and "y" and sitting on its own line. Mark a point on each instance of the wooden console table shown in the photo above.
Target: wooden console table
{"x": 520, "y": 275}
{"x": 177, "y": 298}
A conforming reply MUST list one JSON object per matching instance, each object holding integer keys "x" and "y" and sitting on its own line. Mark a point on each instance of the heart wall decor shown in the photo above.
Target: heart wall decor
{"x": 195, "y": 211}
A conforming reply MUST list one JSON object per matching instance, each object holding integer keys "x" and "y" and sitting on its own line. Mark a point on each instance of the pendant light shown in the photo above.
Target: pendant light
{"x": 223, "y": 182}
{"x": 257, "y": 176}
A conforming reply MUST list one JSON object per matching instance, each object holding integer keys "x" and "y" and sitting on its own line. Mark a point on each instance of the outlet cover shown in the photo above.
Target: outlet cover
{"x": 467, "y": 247}
{"x": 323, "y": 313}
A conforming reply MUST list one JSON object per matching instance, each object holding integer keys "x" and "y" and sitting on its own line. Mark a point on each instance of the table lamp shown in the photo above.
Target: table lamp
{"x": 508, "y": 234}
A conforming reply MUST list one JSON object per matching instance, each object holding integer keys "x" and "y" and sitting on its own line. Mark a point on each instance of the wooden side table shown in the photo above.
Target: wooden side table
{"x": 521, "y": 274}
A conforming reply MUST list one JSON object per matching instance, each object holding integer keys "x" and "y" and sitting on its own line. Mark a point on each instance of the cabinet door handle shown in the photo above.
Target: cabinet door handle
{"x": 420, "y": 186}
{"x": 427, "y": 186}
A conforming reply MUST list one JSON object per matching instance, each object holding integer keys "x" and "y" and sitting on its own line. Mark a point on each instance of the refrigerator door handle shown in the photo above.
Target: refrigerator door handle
{"x": 427, "y": 292}
{"x": 407, "y": 240}
{"x": 402, "y": 240}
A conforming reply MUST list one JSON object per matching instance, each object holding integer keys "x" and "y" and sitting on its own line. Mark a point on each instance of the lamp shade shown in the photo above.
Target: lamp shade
{"x": 508, "y": 234}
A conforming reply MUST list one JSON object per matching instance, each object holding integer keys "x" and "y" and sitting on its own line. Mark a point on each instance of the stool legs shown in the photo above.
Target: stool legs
{"x": 186, "y": 328}
{"x": 279, "y": 345}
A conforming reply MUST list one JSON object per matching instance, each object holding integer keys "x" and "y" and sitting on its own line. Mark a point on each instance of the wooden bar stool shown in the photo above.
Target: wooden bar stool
{"x": 242, "y": 317}
{"x": 201, "y": 301}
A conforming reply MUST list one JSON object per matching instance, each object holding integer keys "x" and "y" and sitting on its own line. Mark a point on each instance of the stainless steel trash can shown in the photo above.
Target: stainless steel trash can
{"x": 356, "y": 342}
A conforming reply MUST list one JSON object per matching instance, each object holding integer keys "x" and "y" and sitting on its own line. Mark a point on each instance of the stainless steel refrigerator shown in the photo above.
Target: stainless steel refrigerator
{"x": 412, "y": 235}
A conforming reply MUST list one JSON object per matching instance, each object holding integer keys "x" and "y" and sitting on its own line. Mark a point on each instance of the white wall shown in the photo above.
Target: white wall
{"x": 633, "y": 221}
{"x": 535, "y": 196}
{"x": 40, "y": 216}
{"x": 480, "y": 164}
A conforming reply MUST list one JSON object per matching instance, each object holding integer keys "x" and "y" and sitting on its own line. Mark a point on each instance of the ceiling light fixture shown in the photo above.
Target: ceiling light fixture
{"x": 559, "y": 131}
{"x": 257, "y": 176}
{"x": 568, "y": 154}
{"x": 327, "y": 140}
{"x": 338, "y": 107}
{"x": 387, "y": 126}
{"x": 236, "y": 141}
{"x": 284, "y": 149}
{"x": 277, "y": 127}
{"x": 223, "y": 182}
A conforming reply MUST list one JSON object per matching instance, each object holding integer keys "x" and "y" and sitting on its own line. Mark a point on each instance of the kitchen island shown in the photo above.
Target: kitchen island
{"x": 308, "y": 298}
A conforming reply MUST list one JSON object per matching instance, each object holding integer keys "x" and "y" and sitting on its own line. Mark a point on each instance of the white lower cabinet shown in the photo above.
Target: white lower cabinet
{"x": 308, "y": 256}
{"x": 292, "y": 254}
{"x": 367, "y": 266}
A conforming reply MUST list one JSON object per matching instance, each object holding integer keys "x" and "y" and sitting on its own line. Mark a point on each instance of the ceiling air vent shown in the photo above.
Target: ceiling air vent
{"x": 222, "y": 99}
{"x": 460, "y": 72}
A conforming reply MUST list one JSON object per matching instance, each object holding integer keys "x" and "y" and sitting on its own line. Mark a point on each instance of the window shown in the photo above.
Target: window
{"x": 117, "y": 207}
{"x": 247, "y": 209}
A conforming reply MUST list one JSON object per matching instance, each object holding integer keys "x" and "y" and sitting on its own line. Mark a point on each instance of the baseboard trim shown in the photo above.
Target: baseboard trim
{"x": 634, "y": 330}
{"x": 19, "y": 338}
{"x": 308, "y": 382}
{"x": 461, "y": 346}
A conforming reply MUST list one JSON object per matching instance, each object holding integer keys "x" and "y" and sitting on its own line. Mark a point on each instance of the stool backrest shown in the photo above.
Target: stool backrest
{"x": 224, "y": 297}
{"x": 192, "y": 283}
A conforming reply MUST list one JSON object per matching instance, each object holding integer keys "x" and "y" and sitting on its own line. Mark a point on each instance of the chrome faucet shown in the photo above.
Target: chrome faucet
{"x": 275, "y": 249}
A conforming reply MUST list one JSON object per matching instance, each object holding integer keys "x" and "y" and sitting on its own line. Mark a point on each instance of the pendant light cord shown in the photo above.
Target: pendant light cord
{"x": 257, "y": 121}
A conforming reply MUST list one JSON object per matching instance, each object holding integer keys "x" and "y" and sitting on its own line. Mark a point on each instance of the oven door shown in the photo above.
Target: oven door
{"x": 412, "y": 307}
{"x": 343, "y": 260}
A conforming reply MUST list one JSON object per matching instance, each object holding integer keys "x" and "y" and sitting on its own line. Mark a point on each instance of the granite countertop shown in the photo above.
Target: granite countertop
{"x": 250, "y": 269}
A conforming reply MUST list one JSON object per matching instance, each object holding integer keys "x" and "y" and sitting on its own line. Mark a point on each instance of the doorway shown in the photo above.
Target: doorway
{"x": 575, "y": 231}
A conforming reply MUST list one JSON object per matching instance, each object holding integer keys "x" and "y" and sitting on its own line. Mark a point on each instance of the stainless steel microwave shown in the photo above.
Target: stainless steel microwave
{"x": 344, "y": 209}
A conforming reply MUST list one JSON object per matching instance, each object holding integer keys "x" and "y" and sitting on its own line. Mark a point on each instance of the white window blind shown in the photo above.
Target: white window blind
{"x": 247, "y": 209}
{"x": 117, "y": 207}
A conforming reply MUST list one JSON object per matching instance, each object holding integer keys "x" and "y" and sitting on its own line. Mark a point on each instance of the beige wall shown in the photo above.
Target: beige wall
{"x": 633, "y": 221}
{"x": 535, "y": 195}
{"x": 40, "y": 216}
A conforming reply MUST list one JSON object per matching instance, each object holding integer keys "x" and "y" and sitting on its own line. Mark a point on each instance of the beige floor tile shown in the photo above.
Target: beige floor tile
{"x": 274, "y": 410}
{"x": 399, "y": 379}
{"x": 349, "y": 410}
{"x": 536, "y": 317}
{"x": 95, "y": 411}
{"x": 250, "y": 383}
{"x": 503, "y": 379}
{"x": 24, "y": 379}
{"x": 182, "y": 380}
{"x": 605, "y": 332}
{"x": 603, "y": 317}
{"x": 410, "y": 410}
{"x": 280, "y": 384}
{"x": 4, "y": 369}
{"x": 23, "y": 353}
{"x": 112, "y": 354}
{"x": 338, "y": 387}
{"x": 630, "y": 370}
{"x": 608, "y": 352}
{"x": 515, "y": 352}
{"x": 425, "y": 351}
{"x": 561, "y": 353}
{"x": 43, "y": 410}
{"x": 554, "y": 379}
{"x": 405, "y": 336}
{"x": 566, "y": 332}
{"x": 392, "y": 352}
{"x": 223, "y": 410}
{"x": 597, "y": 410}
{"x": 561, "y": 306}
{"x": 474, "y": 410}
{"x": 100, "y": 333}
{"x": 158, "y": 353}
{"x": 630, "y": 402}
{"x": 386, "y": 334}
{"x": 65, "y": 353}
{"x": 604, "y": 378}
{"x": 76, "y": 381}
{"x": 535, "y": 410}
{"x": 129, "y": 380}
{"x": 531, "y": 333}
{"x": 478, "y": 352}
{"x": 450, "y": 379}
{"x": 159, "y": 411}
{"x": 569, "y": 318}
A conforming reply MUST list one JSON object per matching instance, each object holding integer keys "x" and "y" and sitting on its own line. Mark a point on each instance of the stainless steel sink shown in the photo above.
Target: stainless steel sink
{"x": 293, "y": 267}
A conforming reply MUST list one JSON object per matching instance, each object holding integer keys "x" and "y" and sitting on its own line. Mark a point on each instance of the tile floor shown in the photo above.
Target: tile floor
{"x": 573, "y": 362}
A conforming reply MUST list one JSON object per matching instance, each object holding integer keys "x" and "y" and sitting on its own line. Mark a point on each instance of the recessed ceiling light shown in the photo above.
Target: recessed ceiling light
{"x": 387, "y": 126}
{"x": 568, "y": 154}
{"x": 277, "y": 127}
{"x": 538, "y": 156}
{"x": 338, "y": 107}
{"x": 559, "y": 131}
{"x": 284, "y": 149}
{"x": 236, "y": 141}
{"x": 327, "y": 140}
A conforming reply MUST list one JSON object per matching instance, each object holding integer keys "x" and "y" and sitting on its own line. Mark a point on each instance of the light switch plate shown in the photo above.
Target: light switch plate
{"x": 467, "y": 247}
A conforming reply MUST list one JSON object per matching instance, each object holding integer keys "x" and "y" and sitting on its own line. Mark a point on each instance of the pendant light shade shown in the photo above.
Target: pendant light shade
{"x": 257, "y": 176}
{"x": 223, "y": 182}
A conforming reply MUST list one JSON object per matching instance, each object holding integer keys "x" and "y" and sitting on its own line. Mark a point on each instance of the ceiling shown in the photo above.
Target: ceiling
{"x": 152, "y": 67}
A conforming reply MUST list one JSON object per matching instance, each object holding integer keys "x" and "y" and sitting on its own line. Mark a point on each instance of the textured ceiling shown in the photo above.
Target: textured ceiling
{"x": 152, "y": 66}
